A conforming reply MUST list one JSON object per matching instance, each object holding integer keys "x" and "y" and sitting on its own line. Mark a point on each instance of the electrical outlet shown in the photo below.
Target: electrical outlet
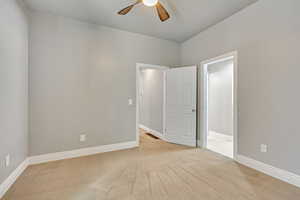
{"x": 82, "y": 138}
{"x": 7, "y": 161}
{"x": 263, "y": 148}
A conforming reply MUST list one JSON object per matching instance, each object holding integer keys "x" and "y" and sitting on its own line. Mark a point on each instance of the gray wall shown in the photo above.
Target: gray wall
{"x": 151, "y": 99}
{"x": 81, "y": 77}
{"x": 220, "y": 99}
{"x": 13, "y": 85}
{"x": 266, "y": 36}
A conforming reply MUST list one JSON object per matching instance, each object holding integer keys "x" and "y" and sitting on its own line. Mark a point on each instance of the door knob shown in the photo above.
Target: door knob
{"x": 193, "y": 110}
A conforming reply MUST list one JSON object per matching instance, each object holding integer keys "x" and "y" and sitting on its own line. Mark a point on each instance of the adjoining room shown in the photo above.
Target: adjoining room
{"x": 220, "y": 107}
{"x": 218, "y": 119}
{"x": 151, "y": 103}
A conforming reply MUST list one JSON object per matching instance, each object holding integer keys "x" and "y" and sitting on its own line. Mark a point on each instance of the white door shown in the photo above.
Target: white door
{"x": 181, "y": 98}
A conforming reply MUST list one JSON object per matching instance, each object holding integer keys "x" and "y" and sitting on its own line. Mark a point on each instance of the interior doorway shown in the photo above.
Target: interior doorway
{"x": 150, "y": 110}
{"x": 166, "y": 103}
{"x": 219, "y": 78}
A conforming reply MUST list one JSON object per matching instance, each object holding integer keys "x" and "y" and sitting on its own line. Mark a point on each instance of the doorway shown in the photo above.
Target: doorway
{"x": 150, "y": 110}
{"x": 166, "y": 103}
{"x": 219, "y": 81}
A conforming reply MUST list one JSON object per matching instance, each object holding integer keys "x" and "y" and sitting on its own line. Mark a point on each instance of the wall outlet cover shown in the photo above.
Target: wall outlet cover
{"x": 82, "y": 138}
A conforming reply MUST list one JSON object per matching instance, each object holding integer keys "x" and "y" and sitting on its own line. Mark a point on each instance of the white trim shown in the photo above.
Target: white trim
{"x": 204, "y": 100}
{"x": 9, "y": 181}
{"x": 150, "y": 66}
{"x": 199, "y": 143}
{"x": 220, "y": 135}
{"x": 165, "y": 104}
{"x": 140, "y": 66}
{"x": 281, "y": 174}
{"x": 80, "y": 152}
{"x": 153, "y": 132}
{"x": 4, "y": 187}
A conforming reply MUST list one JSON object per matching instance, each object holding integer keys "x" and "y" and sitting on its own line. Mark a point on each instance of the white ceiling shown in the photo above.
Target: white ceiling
{"x": 188, "y": 17}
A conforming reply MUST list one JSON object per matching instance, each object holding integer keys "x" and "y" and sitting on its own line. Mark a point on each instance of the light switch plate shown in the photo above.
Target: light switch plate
{"x": 130, "y": 102}
{"x": 7, "y": 160}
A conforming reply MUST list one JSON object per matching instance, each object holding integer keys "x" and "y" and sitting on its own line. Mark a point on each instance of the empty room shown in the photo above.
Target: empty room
{"x": 149, "y": 100}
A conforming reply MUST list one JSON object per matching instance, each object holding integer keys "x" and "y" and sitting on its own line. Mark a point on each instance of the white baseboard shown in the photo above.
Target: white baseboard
{"x": 4, "y": 187}
{"x": 9, "y": 181}
{"x": 220, "y": 135}
{"x": 80, "y": 152}
{"x": 281, "y": 174}
{"x": 154, "y": 132}
{"x": 199, "y": 144}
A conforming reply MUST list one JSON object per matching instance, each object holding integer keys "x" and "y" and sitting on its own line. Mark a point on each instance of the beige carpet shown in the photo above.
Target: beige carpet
{"x": 155, "y": 171}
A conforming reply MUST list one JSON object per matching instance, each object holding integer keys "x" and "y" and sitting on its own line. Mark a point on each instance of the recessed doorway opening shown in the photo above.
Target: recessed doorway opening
{"x": 219, "y": 133}
{"x": 150, "y": 100}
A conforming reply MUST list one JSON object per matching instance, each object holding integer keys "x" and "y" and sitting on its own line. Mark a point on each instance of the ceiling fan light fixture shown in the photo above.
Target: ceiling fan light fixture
{"x": 161, "y": 11}
{"x": 150, "y": 3}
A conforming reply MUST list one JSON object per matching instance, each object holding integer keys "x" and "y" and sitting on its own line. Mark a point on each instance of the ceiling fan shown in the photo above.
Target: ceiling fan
{"x": 161, "y": 11}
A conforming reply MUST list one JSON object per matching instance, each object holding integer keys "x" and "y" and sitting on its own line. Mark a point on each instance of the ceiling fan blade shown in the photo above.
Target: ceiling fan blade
{"x": 128, "y": 8}
{"x": 162, "y": 12}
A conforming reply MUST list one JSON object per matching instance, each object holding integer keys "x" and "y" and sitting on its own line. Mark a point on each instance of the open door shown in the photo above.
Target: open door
{"x": 181, "y": 105}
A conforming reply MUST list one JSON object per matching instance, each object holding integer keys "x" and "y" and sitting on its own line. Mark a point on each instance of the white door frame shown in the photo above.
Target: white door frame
{"x": 204, "y": 98}
{"x": 140, "y": 66}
